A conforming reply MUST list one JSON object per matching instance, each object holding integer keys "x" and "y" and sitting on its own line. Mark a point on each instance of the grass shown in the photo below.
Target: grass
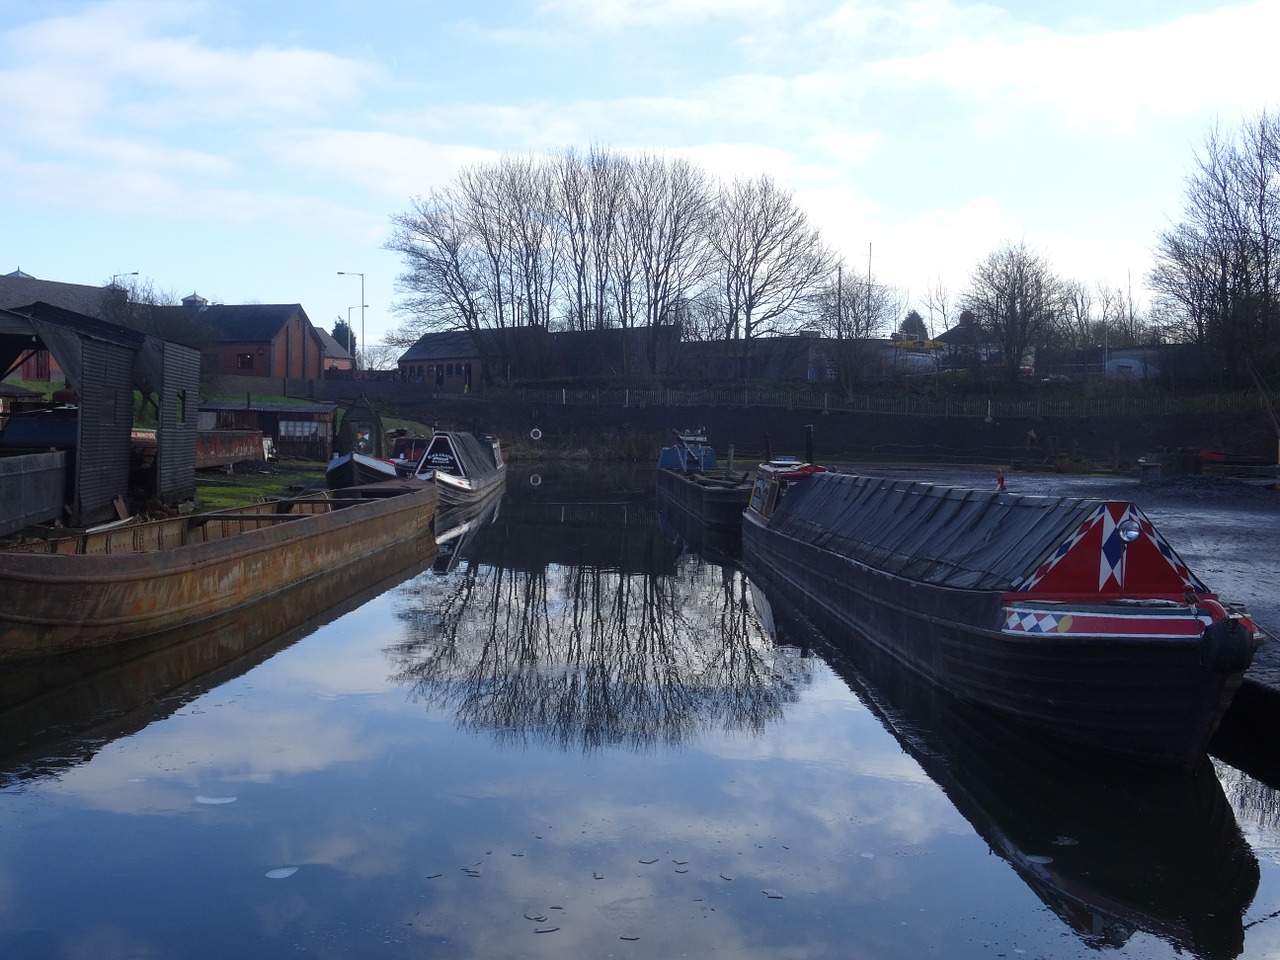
{"x": 217, "y": 489}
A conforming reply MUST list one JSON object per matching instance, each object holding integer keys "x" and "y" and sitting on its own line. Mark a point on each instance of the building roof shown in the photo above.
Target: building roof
{"x": 241, "y": 322}
{"x": 18, "y": 289}
{"x": 332, "y": 348}
{"x": 441, "y": 346}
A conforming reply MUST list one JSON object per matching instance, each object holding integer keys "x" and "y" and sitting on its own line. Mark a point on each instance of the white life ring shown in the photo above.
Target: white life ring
{"x": 535, "y": 480}
{"x": 535, "y": 434}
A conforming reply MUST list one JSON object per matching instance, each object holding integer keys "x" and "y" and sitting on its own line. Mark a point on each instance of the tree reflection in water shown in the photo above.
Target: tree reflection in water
{"x": 583, "y": 656}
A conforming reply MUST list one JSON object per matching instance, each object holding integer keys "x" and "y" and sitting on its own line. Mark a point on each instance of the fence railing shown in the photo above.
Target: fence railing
{"x": 1004, "y": 408}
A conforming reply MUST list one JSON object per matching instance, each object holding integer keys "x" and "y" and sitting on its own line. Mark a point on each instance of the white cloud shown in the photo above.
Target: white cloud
{"x": 391, "y": 164}
{"x": 668, "y": 14}
{"x": 1206, "y": 61}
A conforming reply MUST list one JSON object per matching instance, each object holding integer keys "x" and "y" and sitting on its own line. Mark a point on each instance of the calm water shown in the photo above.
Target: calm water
{"x": 566, "y": 734}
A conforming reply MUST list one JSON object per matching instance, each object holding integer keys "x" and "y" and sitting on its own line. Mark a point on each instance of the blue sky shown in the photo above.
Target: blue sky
{"x": 248, "y": 151}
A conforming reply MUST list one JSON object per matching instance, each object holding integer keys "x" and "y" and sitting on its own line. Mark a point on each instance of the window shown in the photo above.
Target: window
{"x": 244, "y": 361}
{"x": 299, "y": 430}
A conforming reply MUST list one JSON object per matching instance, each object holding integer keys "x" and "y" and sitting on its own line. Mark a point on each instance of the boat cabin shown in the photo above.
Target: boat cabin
{"x": 772, "y": 480}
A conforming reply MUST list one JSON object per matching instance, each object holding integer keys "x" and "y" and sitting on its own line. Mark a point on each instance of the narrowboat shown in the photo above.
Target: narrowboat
{"x": 1072, "y": 616}
{"x": 691, "y": 484}
{"x": 465, "y": 467}
{"x": 1116, "y": 850}
{"x": 108, "y": 585}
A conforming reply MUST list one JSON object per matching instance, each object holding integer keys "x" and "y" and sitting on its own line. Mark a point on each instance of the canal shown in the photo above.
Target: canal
{"x": 568, "y": 731}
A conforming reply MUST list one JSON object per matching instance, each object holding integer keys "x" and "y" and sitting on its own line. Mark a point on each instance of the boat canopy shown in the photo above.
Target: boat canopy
{"x": 1025, "y": 546}
{"x": 460, "y": 454}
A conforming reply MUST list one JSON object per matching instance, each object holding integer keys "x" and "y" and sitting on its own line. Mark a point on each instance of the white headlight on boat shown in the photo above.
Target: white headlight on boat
{"x": 1129, "y": 529}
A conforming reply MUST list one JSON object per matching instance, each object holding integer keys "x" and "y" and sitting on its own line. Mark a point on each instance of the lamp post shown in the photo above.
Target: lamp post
{"x": 352, "y": 273}
{"x": 117, "y": 276}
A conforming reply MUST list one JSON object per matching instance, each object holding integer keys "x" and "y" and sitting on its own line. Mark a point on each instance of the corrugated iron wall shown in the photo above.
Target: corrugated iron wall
{"x": 178, "y": 424}
{"x": 106, "y": 421}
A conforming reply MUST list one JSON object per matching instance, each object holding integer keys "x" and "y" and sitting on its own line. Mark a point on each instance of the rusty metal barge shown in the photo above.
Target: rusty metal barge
{"x": 690, "y": 483}
{"x": 1071, "y": 616}
{"x": 116, "y": 584}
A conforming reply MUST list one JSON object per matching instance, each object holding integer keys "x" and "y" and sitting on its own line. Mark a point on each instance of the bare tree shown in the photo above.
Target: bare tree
{"x": 444, "y": 283}
{"x": 767, "y": 260}
{"x": 1217, "y": 272}
{"x": 937, "y": 304}
{"x": 1017, "y": 299}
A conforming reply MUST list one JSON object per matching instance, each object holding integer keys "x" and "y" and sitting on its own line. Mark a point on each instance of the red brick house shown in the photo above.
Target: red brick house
{"x": 258, "y": 339}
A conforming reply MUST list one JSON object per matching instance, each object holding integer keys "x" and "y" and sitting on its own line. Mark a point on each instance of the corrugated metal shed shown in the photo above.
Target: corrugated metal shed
{"x": 177, "y": 423}
{"x": 104, "y": 362}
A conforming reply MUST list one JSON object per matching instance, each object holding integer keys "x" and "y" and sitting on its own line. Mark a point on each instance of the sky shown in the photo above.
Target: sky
{"x": 249, "y": 151}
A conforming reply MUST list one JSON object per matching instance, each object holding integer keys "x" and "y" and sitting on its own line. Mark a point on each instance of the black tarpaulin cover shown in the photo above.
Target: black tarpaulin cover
{"x": 461, "y": 454}
{"x": 947, "y": 536}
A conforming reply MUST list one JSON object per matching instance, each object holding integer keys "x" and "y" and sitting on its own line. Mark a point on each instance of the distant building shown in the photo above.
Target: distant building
{"x": 257, "y": 339}
{"x": 338, "y": 361}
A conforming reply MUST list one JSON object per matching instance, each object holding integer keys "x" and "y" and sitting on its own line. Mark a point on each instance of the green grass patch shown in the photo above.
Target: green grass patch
{"x": 217, "y": 489}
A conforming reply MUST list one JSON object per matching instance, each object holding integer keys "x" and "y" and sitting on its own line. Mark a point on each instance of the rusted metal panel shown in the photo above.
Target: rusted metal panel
{"x": 32, "y": 488}
{"x": 220, "y": 447}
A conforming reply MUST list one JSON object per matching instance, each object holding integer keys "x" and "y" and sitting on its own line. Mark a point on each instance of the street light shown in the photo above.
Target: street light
{"x": 352, "y": 273}
{"x": 116, "y": 276}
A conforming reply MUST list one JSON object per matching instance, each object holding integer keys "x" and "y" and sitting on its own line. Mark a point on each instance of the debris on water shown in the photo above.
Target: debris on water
{"x": 518, "y": 854}
{"x": 680, "y": 863}
{"x": 535, "y": 917}
{"x": 215, "y": 800}
{"x": 772, "y": 894}
{"x": 723, "y": 877}
{"x": 471, "y": 871}
{"x": 628, "y": 936}
{"x": 281, "y": 873}
{"x": 1066, "y": 841}
{"x": 597, "y": 876}
{"x": 545, "y": 929}
{"x": 654, "y": 860}
{"x": 432, "y": 876}
{"x": 1039, "y": 858}
{"x": 868, "y": 856}
{"x": 682, "y": 869}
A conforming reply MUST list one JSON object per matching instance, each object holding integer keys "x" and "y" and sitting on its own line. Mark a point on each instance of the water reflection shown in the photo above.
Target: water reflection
{"x": 1110, "y": 849}
{"x": 59, "y": 712}
{"x": 580, "y": 624}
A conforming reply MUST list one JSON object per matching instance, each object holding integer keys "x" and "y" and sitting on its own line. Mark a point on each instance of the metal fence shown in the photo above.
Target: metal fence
{"x": 1004, "y": 408}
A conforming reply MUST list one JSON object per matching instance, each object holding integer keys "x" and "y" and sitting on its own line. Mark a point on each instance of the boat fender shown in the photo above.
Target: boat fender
{"x": 535, "y": 434}
{"x": 1226, "y": 646}
{"x": 535, "y": 480}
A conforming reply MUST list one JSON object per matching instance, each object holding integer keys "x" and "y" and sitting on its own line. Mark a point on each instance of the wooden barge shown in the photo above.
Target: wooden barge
{"x": 109, "y": 585}
{"x": 1070, "y": 615}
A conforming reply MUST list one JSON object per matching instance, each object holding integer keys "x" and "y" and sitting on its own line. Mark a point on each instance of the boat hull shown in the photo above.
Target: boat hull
{"x": 1146, "y": 698}
{"x": 469, "y": 491}
{"x": 140, "y": 580}
{"x": 714, "y": 502}
{"x": 353, "y": 469}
